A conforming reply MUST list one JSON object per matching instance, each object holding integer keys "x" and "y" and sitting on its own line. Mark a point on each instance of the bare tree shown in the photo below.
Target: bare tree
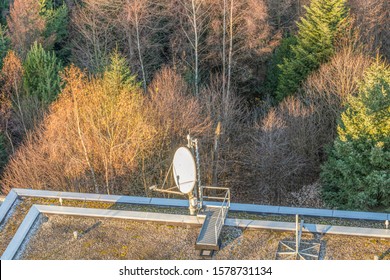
{"x": 230, "y": 57}
{"x": 192, "y": 20}
{"x": 93, "y": 27}
{"x": 137, "y": 21}
{"x": 329, "y": 88}
{"x": 12, "y": 92}
{"x": 282, "y": 154}
{"x": 75, "y": 80}
{"x": 238, "y": 42}
{"x": 285, "y": 13}
{"x": 372, "y": 20}
{"x": 26, "y": 25}
{"x": 174, "y": 112}
{"x": 228, "y": 114}
{"x": 92, "y": 138}
{"x": 137, "y": 11}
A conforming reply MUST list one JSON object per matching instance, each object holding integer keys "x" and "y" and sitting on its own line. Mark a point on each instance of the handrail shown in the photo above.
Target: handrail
{"x": 222, "y": 214}
{"x": 215, "y": 188}
{"x": 212, "y": 197}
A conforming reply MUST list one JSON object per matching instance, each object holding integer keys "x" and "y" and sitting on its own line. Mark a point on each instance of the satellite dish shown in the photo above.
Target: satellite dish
{"x": 184, "y": 170}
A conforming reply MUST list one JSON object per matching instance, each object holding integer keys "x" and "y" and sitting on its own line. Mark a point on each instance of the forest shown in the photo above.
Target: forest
{"x": 289, "y": 99}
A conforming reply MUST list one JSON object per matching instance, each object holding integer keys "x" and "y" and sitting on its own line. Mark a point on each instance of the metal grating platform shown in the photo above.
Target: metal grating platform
{"x": 208, "y": 238}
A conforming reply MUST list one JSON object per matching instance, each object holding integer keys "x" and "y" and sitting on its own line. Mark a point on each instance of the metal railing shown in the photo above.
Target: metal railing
{"x": 216, "y": 197}
{"x": 222, "y": 214}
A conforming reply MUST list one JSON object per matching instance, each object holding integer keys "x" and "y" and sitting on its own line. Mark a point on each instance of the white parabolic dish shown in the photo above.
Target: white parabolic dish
{"x": 184, "y": 170}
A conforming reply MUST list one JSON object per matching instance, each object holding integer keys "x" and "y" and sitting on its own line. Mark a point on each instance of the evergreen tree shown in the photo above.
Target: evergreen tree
{"x": 117, "y": 73}
{"x": 3, "y": 153}
{"x": 56, "y": 28}
{"x": 41, "y": 78}
{"x": 317, "y": 33}
{"x": 357, "y": 173}
{"x": 4, "y": 8}
{"x": 4, "y": 45}
{"x": 284, "y": 51}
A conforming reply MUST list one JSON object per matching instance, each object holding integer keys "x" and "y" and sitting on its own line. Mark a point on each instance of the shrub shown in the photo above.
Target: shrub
{"x": 282, "y": 154}
{"x": 329, "y": 88}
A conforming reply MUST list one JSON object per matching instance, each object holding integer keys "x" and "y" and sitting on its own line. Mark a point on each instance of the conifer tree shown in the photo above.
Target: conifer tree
{"x": 118, "y": 73}
{"x": 4, "y": 45}
{"x": 317, "y": 32}
{"x": 41, "y": 74}
{"x": 3, "y": 154}
{"x": 4, "y": 7}
{"x": 357, "y": 173}
{"x": 56, "y": 28}
{"x": 274, "y": 72}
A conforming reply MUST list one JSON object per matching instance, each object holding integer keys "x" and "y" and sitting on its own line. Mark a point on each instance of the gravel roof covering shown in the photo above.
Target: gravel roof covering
{"x": 120, "y": 239}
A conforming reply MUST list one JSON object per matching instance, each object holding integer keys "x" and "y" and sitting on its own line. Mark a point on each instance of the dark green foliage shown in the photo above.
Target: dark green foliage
{"x": 4, "y": 45}
{"x": 56, "y": 31}
{"x": 357, "y": 173}
{"x": 316, "y": 37}
{"x": 4, "y": 9}
{"x": 3, "y": 153}
{"x": 41, "y": 78}
{"x": 284, "y": 51}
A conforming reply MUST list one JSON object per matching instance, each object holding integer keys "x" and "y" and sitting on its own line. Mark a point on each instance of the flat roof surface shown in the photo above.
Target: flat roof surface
{"x": 102, "y": 238}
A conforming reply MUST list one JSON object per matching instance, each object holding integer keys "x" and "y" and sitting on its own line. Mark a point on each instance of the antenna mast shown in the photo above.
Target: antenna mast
{"x": 193, "y": 145}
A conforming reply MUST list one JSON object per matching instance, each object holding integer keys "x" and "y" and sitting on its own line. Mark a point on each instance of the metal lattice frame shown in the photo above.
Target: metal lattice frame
{"x": 298, "y": 250}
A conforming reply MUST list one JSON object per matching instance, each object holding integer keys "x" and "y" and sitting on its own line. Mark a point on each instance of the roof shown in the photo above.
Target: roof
{"x": 52, "y": 236}
{"x": 121, "y": 239}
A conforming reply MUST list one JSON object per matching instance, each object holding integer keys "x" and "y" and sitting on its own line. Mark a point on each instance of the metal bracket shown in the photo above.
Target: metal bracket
{"x": 298, "y": 249}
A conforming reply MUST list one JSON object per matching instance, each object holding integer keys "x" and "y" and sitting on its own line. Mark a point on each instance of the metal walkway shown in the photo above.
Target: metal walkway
{"x": 208, "y": 238}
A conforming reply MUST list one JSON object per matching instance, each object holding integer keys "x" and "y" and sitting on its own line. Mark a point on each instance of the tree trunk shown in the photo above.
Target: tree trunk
{"x": 139, "y": 53}
{"x": 224, "y": 50}
{"x": 76, "y": 111}
{"x": 194, "y": 14}
{"x": 230, "y": 50}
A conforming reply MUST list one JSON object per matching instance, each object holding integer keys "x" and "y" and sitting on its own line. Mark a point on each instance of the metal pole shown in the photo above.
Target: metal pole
{"x": 296, "y": 234}
{"x": 191, "y": 205}
{"x": 200, "y": 190}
